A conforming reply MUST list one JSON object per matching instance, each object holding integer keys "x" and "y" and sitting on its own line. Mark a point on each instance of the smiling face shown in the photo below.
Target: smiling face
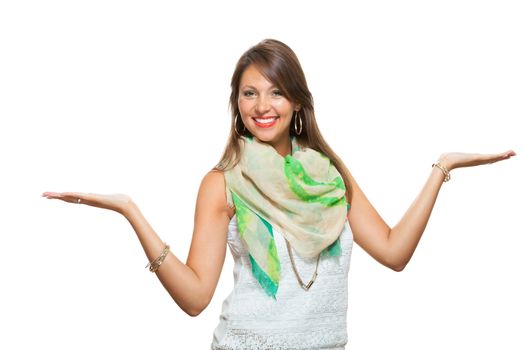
{"x": 265, "y": 112}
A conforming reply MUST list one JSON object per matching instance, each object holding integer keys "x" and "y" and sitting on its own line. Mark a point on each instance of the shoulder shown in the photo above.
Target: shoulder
{"x": 214, "y": 177}
{"x": 213, "y": 183}
{"x": 213, "y": 187}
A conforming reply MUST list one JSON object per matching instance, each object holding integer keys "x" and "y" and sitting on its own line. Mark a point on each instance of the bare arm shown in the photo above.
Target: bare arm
{"x": 191, "y": 284}
{"x": 393, "y": 247}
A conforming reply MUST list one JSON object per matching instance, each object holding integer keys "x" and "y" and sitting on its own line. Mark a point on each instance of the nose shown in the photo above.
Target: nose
{"x": 263, "y": 104}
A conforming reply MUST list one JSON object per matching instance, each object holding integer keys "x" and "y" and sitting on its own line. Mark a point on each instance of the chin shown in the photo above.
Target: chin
{"x": 269, "y": 138}
{"x": 264, "y": 138}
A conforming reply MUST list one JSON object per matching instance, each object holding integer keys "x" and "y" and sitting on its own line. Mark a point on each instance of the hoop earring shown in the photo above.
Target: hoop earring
{"x": 235, "y": 125}
{"x": 300, "y": 123}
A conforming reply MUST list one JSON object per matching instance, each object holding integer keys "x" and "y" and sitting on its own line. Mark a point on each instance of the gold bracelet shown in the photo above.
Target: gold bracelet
{"x": 155, "y": 264}
{"x": 444, "y": 170}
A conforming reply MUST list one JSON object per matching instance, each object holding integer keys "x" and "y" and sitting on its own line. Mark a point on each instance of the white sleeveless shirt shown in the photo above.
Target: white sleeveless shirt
{"x": 296, "y": 319}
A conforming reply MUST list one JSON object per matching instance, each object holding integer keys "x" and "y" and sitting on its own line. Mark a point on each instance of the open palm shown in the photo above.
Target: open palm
{"x": 460, "y": 160}
{"x": 115, "y": 202}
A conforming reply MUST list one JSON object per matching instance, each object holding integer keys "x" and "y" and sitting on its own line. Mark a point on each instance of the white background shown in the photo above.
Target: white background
{"x": 131, "y": 97}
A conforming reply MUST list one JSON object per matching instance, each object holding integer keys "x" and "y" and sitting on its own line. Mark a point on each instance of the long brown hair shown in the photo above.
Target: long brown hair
{"x": 279, "y": 65}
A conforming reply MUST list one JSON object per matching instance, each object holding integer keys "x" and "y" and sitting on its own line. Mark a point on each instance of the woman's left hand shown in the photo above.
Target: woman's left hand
{"x": 115, "y": 202}
{"x": 460, "y": 160}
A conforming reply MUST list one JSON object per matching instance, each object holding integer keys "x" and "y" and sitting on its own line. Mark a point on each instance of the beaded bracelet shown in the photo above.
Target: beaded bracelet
{"x": 443, "y": 169}
{"x": 155, "y": 264}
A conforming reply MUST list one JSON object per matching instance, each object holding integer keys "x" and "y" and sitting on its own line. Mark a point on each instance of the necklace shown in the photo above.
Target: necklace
{"x": 306, "y": 287}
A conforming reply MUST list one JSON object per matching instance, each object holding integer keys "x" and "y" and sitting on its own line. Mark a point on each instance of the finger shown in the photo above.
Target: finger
{"x": 492, "y": 158}
{"x": 73, "y": 194}
{"x": 77, "y": 197}
{"x": 505, "y": 155}
{"x": 52, "y": 195}
{"x": 71, "y": 197}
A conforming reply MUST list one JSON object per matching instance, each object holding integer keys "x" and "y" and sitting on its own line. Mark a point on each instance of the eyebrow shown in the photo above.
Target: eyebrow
{"x": 253, "y": 87}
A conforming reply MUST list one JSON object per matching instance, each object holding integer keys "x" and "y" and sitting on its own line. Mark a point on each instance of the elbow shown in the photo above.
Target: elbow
{"x": 196, "y": 308}
{"x": 398, "y": 268}
{"x": 194, "y": 312}
{"x": 193, "y": 303}
{"x": 396, "y": 260}
{"x": 396, "y": 265}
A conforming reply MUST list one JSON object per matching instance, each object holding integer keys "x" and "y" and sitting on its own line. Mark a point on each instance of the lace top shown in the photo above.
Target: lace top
{"x": 297, "y": 319}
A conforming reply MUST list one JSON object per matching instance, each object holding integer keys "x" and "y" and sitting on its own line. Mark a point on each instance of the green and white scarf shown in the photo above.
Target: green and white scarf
{"x": 302, "y": 195}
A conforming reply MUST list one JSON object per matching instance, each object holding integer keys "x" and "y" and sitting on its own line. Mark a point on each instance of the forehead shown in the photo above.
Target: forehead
{"x": 252, "y": 76}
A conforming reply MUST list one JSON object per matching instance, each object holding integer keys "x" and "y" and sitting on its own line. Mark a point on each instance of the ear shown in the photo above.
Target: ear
{"x": 297, "y": 107}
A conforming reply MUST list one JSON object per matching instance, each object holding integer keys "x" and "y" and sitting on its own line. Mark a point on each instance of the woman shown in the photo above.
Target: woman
{"x": 289, "y": 210}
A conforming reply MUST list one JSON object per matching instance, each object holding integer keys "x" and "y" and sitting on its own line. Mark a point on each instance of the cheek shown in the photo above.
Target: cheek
{"x": 244, "y": 109}
{"x": 284, "y": 108}
{"x": 244, "y": 105}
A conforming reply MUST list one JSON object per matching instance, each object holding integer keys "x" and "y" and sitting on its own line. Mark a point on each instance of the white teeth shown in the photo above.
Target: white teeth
{"x": 265, "y": 121}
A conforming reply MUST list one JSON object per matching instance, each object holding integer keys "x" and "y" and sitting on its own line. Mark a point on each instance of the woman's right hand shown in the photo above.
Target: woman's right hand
{"x": 115, "y": 202}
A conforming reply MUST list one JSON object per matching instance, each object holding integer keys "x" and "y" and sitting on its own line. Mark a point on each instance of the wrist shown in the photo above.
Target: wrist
{"x": 127, "y": 209}
{"x": 443, "y": 170}
{"x": 445, "y": 161}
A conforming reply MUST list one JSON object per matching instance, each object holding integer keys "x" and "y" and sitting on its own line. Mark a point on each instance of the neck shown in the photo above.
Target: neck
{"x": 284, "y": 147}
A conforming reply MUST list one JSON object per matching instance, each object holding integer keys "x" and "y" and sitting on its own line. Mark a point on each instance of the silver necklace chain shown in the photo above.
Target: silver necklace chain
{"x": 306, "y": 287}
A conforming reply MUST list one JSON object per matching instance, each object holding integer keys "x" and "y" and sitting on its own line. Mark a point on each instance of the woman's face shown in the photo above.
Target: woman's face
{"x": 265, "y": 112}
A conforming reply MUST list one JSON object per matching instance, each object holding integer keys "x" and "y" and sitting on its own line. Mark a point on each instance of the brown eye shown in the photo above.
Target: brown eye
{"x": 248, "y": 93}
{"x": 277, "y": 93}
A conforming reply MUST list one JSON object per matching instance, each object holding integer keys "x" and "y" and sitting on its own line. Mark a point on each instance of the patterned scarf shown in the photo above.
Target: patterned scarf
{"x": 302, "y": 195}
